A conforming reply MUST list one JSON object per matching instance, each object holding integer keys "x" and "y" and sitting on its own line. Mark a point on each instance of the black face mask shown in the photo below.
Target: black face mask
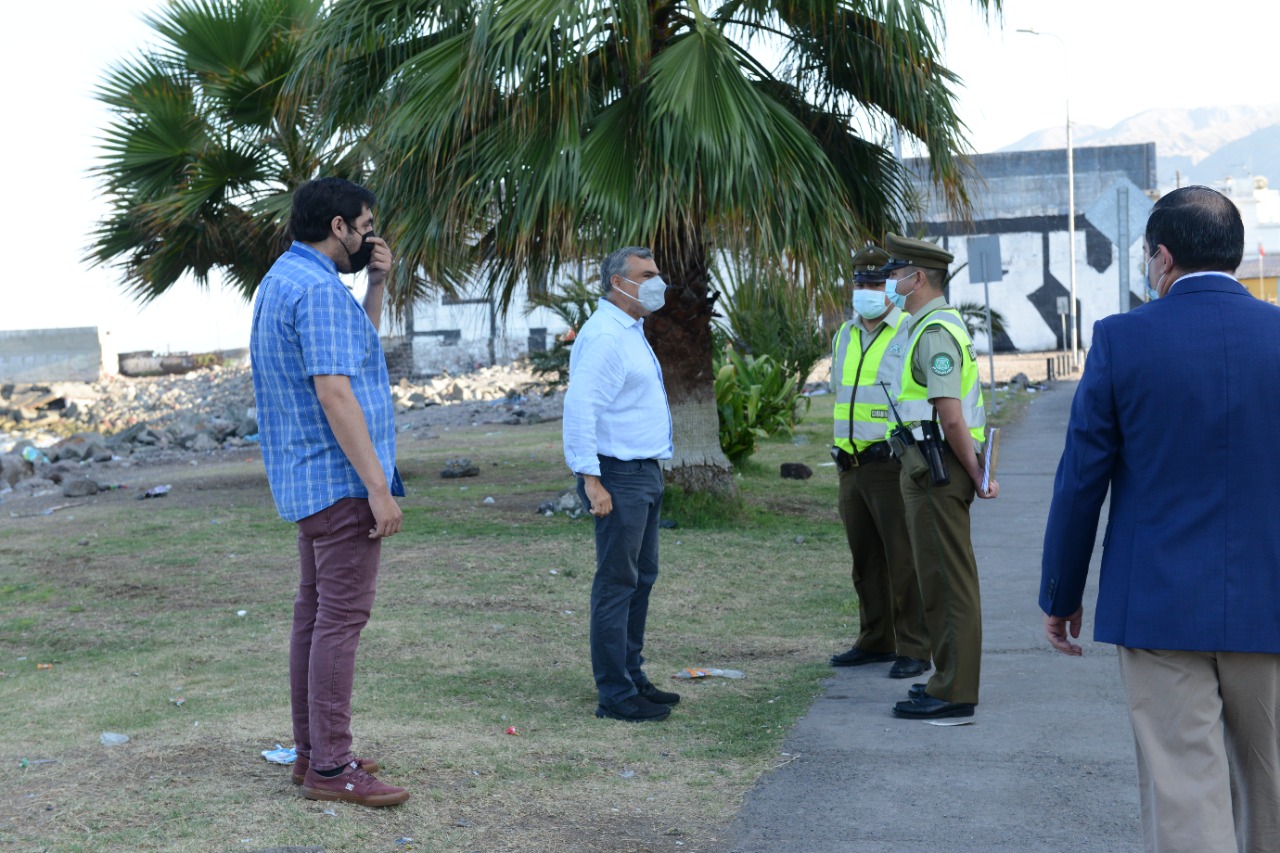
{"x": 361, "y": 257}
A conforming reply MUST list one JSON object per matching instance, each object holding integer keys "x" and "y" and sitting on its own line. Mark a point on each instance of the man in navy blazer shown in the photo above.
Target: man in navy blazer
{"x": 1178, "y": 412}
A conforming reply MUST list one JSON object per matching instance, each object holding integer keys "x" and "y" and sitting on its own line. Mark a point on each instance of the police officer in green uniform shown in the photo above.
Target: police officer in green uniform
{"x": 940, "y": 384}
{"x": 869, "y": 350}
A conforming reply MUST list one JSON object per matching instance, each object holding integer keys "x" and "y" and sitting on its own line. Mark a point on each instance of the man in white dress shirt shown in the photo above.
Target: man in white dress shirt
{"x": 617, "y": 426}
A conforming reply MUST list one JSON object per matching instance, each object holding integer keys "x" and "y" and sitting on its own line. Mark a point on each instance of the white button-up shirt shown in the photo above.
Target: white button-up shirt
{"x": 616, "y": 404}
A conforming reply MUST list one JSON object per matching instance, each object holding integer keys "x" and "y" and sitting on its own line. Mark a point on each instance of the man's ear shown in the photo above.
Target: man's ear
{"x": 333, "y": 224}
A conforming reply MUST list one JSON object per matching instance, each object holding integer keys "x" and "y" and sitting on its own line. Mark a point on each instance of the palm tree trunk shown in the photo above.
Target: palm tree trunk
{"x": 680, "y": 335}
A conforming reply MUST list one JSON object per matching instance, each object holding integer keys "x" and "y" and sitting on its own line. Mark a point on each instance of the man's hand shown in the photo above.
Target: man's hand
{"x": 599, "y": 497}
{"x": 1056, "y": 627}
{"x": 380, "y": 263}
{"x": 956, "y": 431}
{"x": 386, "y": 516}
{"x": 346, "y": 419}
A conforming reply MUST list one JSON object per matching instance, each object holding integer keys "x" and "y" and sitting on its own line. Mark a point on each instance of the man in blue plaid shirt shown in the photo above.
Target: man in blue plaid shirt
{"x": 328, "y": 443}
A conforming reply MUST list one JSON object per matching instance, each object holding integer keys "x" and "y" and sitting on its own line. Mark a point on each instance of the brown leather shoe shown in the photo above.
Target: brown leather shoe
{"x": 352, "y": 785}
{"x": 368, "y": 765}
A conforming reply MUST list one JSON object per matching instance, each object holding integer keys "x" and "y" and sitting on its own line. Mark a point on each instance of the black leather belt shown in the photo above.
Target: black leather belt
{"x": 877, "y": 452}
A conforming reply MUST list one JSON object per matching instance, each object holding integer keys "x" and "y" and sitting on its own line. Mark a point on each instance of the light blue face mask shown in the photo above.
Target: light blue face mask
{"x": 1152, "y": 293}
{"x": 899, "y": 300}
{"x": 869, "y": 303}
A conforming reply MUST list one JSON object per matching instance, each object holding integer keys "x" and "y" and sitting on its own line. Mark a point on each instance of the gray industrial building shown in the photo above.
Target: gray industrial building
{"x": 1021, "y": 197}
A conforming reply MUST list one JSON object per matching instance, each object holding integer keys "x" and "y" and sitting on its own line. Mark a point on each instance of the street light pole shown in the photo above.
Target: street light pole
{"x": 1071, "y": 197}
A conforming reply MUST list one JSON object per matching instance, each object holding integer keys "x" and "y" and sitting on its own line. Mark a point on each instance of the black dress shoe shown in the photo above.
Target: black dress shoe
{"x": 905, "y": 667}
{"x": 634, "y": 709}
{"x": 927, "y": 707}
{"x": 656, "y": 696}
{"x": 857, "y": 657}
{"x": 917, "y": 690}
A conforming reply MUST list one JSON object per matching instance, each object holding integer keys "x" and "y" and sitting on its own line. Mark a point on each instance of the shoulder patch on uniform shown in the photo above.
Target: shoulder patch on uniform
{"x": 942, "y": 364}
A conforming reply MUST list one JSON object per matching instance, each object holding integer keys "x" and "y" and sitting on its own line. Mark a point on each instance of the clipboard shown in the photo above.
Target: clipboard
{"x": 990, "y": 457}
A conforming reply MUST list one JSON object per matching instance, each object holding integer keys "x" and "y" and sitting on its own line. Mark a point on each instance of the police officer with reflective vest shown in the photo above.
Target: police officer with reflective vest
{"x": 940, "y": 401}
{"x": 869, "y": 350}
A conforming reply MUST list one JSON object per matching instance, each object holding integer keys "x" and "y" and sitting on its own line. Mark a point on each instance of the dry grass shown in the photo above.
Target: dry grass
{"x": 135, "y": 605}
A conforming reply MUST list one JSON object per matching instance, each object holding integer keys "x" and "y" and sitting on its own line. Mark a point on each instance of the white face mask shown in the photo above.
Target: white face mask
{"x": 869, "y": 303}
{"x": 653, "y": 293}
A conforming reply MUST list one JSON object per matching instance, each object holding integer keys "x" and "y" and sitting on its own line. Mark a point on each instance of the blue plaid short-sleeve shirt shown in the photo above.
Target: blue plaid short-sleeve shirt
{"x": 306, "y": 324}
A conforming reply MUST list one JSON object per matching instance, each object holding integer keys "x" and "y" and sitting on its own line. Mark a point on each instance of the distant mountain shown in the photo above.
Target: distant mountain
{"x": 1053, "y": 137}
{"x": 1198, "y": 143}
{"x": 1256, "y": 154}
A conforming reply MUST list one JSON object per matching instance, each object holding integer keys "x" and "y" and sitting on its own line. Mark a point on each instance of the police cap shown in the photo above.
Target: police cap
{"x": 906, "y": 252}
{"x": 868, "y": 263}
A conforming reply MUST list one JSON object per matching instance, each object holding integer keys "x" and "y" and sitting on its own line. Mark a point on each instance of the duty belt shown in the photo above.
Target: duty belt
{"x": 877, "y": 452}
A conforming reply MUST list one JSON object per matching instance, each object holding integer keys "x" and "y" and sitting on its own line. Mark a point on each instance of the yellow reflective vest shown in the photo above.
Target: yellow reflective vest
{"x": 913, "y": 402}
{"x": 861, "y": 415}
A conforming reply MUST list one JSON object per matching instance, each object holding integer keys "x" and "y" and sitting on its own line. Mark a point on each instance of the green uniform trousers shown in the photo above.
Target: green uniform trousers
{"x": 938, "y": 521}
{"x": 891, "y": 615}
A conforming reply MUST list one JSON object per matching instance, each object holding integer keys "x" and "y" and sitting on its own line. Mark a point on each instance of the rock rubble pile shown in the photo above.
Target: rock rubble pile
{"x": 55, "y": 434}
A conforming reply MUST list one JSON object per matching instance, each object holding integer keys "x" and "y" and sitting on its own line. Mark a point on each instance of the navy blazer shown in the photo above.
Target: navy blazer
{"x": 1178, "y": 411}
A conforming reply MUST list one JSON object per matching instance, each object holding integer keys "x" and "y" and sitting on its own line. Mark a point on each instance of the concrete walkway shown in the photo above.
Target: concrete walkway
{"x": 1047, "y": 763}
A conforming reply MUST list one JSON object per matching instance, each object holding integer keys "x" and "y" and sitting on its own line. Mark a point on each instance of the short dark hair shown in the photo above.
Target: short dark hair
{"x": 1200, "y": 227}
{"x": 616, "y": 264}
{"x": 315, "y": 203}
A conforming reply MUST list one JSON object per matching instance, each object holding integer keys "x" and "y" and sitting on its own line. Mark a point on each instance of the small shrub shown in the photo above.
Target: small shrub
{"x": 768, "y": 313}
{"x": 756, "y": 397}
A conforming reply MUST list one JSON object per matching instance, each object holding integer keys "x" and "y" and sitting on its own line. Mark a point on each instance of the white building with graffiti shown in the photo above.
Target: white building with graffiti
{"x": 1021, "y": 198}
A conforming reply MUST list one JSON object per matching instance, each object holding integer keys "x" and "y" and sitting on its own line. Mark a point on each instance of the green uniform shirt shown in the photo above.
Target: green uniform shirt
{"x": 936, "y": 359}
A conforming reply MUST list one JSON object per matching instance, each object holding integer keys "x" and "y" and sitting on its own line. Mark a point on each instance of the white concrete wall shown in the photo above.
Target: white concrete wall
{"x": 432, "y": 354}
{"x": 48, "y": 355}
{"x": 1023, "y": 260}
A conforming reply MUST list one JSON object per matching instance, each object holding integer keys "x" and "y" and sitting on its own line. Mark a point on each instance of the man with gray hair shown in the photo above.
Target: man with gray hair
{"x": 617, "y": 426}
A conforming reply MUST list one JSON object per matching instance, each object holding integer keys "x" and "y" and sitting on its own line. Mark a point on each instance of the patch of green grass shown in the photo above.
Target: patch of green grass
{"x": 18, "y": 593}
{"x": 701, "y": 509}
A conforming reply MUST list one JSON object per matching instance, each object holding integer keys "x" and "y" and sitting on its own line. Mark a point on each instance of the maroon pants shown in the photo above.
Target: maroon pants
{"x": 335, "y": 594}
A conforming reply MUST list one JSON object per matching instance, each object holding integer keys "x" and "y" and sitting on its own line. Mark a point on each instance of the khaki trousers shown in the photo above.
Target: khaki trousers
{"x": 1205, "y": 732}
{"x": 891, "y": 615}
{"x": 938, "y": 521}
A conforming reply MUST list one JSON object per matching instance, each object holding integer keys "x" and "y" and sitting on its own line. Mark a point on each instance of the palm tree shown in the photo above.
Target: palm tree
{"x": 514, "y": 138}
{"x": 204, "y": 148}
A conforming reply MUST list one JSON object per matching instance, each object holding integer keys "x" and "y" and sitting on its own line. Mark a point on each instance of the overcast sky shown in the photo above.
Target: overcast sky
{"x": 1123, "y": 58}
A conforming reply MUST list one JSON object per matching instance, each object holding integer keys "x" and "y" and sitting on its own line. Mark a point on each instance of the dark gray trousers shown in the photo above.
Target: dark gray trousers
{"x": 626, "y": 569}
